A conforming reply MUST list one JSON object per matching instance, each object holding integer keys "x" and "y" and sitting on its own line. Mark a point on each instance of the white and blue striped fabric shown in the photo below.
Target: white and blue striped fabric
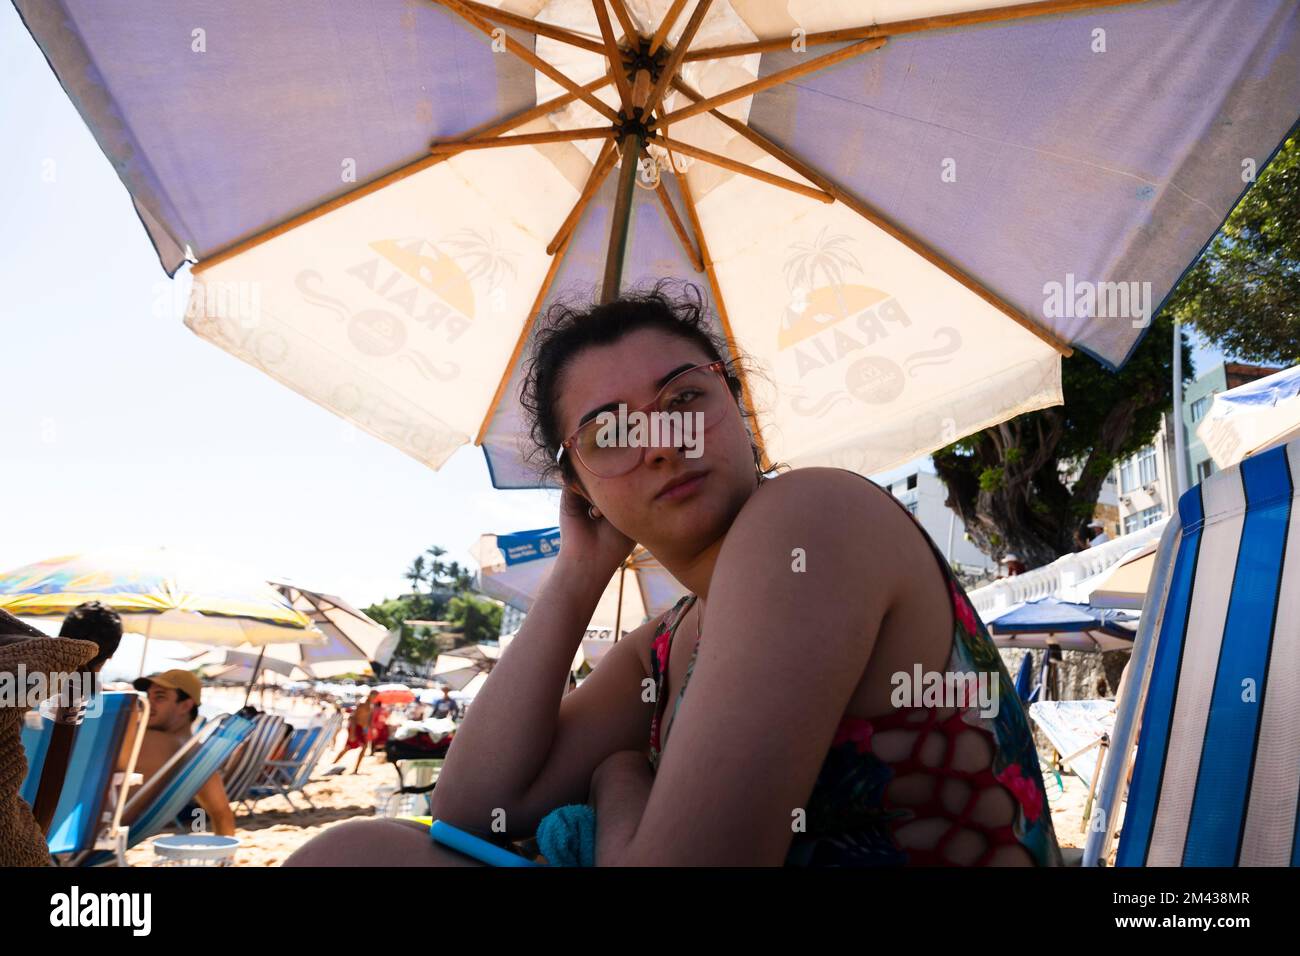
{"x": 1217, "y": 771}
{"x": 189, "y": 777}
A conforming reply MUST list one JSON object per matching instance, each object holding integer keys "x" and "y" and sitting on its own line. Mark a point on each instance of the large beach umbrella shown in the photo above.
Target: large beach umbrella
{"x": 514, "y": 568}
{"x": 905, "y": 214}
{"x": 1252, "y": 417}
{"x": 1125, "y": 585}
{"x": 1051, "y": 621}
{"x": 161, "y": 594}
{"x": 343, "y": 640}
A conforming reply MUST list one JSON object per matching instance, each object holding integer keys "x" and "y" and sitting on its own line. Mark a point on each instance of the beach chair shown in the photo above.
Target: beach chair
{"x": 1214, "y": 683}
{"x": 246, "y": 766}
{"x": 88, "y": 815}
{"x": 293, "y": 773}
{"x": 154, "y": 806}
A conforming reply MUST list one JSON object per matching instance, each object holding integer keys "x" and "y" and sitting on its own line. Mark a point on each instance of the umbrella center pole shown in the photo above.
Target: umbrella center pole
{"x": 632, "y": 142}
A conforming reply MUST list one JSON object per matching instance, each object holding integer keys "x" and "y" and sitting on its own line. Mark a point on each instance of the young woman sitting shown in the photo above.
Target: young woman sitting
{"x": 795, "y": 733}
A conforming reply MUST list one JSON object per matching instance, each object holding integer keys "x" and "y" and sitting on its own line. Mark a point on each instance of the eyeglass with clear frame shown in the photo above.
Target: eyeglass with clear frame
{"x": 702, "y": 389}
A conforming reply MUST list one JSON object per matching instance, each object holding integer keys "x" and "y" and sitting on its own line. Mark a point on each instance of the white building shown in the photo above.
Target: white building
{"x": 1145, "y": 482}
{"x": 924, "y": 494}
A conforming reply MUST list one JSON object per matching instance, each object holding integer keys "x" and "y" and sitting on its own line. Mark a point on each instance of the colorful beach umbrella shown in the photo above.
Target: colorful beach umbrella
{"x": 161, "y": 594}
{"x": 904, "y": 213}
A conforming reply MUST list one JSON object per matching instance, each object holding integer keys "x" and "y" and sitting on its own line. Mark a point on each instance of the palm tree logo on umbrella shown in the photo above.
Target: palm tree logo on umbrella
{"x": 449, "y": 276}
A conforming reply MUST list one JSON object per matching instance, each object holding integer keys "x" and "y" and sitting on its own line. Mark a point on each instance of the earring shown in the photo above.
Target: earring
{"x": 592, "y": 513}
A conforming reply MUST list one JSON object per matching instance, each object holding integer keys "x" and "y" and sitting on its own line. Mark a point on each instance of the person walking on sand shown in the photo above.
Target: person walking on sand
{"x": 359, "y": 729}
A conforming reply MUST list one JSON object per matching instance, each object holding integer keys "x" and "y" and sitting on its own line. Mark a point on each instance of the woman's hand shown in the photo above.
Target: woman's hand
{"x": 592, "y": 545}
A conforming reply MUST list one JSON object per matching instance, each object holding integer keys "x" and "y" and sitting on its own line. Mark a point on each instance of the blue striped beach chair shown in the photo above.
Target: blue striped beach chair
{"x": 249, "y": 762}
{"x": 154, "y": 807}
{"x": 1216, "y": 682}
{"x": 88, "y": 814}
{"x": 291, "y": 775}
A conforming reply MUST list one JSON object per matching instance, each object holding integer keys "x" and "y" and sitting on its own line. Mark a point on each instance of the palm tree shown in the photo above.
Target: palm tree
{"x": 436, "y": 567}
{"x": 415, "y": 573}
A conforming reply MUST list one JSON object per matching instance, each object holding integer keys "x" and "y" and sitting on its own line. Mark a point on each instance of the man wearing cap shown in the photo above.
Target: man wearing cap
{"x": 173, "y": 707}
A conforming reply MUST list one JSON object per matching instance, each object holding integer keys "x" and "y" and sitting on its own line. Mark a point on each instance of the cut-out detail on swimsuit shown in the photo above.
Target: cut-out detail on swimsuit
{"x": 903, "y": 803}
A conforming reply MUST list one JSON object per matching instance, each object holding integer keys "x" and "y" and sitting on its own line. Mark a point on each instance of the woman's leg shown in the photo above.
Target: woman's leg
{"x": 378, "y": 842}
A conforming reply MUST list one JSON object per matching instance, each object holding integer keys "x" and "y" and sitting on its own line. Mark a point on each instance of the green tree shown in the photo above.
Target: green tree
{"x": 476, "y": 618}
{"x": 1243, "y": 294}
{"x": 1026, "y": 486}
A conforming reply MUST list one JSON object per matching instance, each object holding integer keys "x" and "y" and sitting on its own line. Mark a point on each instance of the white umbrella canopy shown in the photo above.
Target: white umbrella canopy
{"x": 1252, "y": 417}
{"x": 515, "y": 567}
{"x": 352, "y": 639}
{"x": 903, "y": 213}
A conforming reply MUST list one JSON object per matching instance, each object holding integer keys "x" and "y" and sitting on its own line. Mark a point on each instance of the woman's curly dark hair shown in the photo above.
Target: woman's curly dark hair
{"x": 673, "y": 305}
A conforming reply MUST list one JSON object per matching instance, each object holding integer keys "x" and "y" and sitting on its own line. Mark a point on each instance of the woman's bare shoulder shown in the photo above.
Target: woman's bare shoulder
{"x": 838, "y": 493}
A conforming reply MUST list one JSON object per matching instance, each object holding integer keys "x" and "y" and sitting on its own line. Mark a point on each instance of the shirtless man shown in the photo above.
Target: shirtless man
{"x": 173, "y": 706}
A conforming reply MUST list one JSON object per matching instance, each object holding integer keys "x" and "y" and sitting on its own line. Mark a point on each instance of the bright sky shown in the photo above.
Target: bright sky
{"x": 122, "y": 427}
{"x": 118, "y": 426}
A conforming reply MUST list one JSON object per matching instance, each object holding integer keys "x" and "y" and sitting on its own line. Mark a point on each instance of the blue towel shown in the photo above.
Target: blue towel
{"x": 567, "y": 836}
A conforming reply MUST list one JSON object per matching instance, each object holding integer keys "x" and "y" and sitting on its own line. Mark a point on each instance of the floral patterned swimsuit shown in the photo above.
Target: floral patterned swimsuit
{"x": 849, "y": 819}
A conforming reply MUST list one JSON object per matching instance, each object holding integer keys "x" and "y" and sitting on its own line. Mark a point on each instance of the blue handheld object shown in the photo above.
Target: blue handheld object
{"x": 475, "y": 847}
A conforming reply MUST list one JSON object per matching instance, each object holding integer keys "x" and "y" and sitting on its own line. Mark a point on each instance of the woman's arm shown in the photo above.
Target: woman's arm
{"x": 620, "y": 788}
{"x": 808, "y": 572}
{"x": 527, "y": 747}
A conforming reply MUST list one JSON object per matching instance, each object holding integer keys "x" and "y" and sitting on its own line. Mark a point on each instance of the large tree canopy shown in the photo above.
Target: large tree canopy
{"x": 1026, "y": 485}
{"x": 1243, "y": 294}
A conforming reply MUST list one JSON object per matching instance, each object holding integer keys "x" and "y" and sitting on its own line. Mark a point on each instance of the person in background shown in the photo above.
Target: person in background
{"x": 1082, "y": 536}
{"x": 446, "y": 707}
{"x": 379, "y": 727}
{"x": 1098, "y": 532}
{"x": 359, "y": 729}
{"x": 1012, "y": 564}
{"x": 174, "y": 698}
{"x": 96, "y": 622}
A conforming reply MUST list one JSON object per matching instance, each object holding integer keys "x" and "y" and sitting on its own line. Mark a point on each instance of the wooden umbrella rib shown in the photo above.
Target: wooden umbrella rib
{"x": 528, "y": 56}
{"x": 1020, "y": 11}
{"x": 625, "y": 21}
{"x": 862, "y": 209}
{"x": 520, "y": 342}
{"x": 743, "y": 168}
{"x": 674, "y": 60}
{"x": 696, "y": 260}
{"x": 781, "y": 76}
{"x": 611, "y": 51}
{"x": 693, "y": 215}
{"x": 524, "y": 139}
{"x": 535, "y": 26}
{"x": 661, "y": 34}
{"x": 759, "y": 140}
{"x": 397, "y": 175}
{"x": 935, "y": 259}
{"x": 604, "y": 163}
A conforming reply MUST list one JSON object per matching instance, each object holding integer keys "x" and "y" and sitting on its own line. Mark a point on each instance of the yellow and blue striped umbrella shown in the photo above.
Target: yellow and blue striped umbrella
{"x": 162, "y": 594}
